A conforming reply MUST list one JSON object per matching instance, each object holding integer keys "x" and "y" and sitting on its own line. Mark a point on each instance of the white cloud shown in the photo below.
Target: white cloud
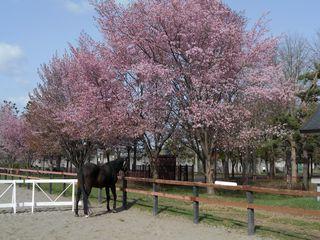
{"x": 78, "y": 7}
{"x": 11, "y": 58}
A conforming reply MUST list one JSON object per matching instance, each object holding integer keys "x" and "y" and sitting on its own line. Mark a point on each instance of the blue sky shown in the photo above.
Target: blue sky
{"x": 32, "y": 31}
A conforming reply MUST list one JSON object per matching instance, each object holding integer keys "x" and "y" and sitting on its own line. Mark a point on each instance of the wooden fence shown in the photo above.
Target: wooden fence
{"x": 195, "y": 198}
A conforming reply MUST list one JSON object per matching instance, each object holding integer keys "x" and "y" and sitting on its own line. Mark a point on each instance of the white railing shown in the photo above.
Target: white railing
{"x": 316, "y": 181}
{"x": 13, "y": 186}
{"x": 224, "y": 183}
{"x": 53, "y": 201}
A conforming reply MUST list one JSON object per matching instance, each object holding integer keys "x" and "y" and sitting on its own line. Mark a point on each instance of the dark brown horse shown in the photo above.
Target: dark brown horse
{"x": 103, "y": 176}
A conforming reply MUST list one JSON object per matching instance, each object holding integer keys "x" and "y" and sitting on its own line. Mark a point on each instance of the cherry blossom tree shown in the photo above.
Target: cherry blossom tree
{"x": 194, "y": 63}
{"x": 14, "y": 133}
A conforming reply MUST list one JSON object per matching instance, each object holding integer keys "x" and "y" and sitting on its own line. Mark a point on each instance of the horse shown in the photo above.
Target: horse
{"x": 103, "y": 176}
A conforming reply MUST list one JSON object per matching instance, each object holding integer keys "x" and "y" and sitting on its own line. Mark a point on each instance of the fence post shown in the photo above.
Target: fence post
{"x": 73, "y": 192}
{"x": 19, "y": 183}
{"x": 180, "y": 172}
{"x": 124, "y": 193}
{"x": 99, "y": 195}
{"x": 33, "y": 197}
{"x": 250, "y": 212}
{"x": 50, "y": 185}
{"x": 5, "y": 177}
{"x": 155, "y": 200}
{"x": 14, "y": 198}
{"x": 195, "y": 191}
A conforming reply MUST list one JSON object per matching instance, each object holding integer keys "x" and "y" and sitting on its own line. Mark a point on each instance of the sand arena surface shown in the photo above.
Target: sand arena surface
{"x": 60, "y": 223}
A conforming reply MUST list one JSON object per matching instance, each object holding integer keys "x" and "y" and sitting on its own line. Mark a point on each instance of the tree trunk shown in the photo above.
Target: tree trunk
{"x": 305, "y": 169}
{"x": 272, "y": 167}
{"x": 210, "y": 173}
{"x": 58, "y": 163}
{"x": 245, "y": 166}
{"x": 134, "y": 163}
{"x": 67, "y": 166}
{"x": 43, "y": 162}
{"x": 118, "y": 153}
{"x": 225, "y": 163}
{"x": 108, "y": 156}
{"x": 128, "y": 157}
{"x": 233, "y": 163}
{"x": 288, "y": 168}
{"x": 294, "y": 165}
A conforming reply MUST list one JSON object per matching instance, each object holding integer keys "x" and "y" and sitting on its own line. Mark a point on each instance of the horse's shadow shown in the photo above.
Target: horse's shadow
{"x": 118, "y": 210}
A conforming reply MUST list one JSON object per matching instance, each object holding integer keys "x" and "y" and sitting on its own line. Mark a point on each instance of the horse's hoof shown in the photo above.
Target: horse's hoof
{"x": 76, "y": 215}
{"x": 114, "y": 211}
{"x": 86, "y": 216}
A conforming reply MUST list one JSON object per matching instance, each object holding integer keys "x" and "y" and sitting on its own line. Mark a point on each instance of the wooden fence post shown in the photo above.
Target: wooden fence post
{"x": 195, "y": 205}
{"x": 99, "y": 195}
{"x": 155, "y": 200}
{"x": 19, "y": 183}
{"x": 124, "y": 193}
{"x": 50, "y": 185}
{"x": 250, "y": 212}
{"x": 180, "y": 172}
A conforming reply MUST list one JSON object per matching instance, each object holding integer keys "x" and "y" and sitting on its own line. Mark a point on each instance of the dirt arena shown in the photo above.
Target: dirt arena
{"x": 130, "y": 224}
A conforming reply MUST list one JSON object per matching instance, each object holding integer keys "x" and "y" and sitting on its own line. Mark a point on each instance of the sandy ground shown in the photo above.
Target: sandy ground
{"x": 130, "y": 224}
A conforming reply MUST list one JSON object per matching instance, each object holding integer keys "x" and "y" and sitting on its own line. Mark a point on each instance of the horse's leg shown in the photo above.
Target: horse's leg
{"x": 114, "y": 193}
{"x": 86, "y": 200}
{"x": 108, "y": 198}
{"x": 78, "y": 196}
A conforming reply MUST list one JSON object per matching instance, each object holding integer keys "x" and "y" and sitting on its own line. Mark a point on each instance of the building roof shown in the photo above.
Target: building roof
{"x": 313, "y": 124}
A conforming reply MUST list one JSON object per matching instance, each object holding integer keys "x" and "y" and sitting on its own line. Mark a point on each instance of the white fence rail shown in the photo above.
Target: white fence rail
{"x": 51, "y": 201}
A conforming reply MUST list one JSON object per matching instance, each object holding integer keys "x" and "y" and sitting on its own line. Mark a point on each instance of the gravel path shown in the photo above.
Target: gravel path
{"x": 131, "y": 224}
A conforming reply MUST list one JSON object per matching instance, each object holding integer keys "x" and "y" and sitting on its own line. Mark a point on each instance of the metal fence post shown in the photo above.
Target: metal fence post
{"x": 250, "y": 212}
{"x": 124, "y": 193}
{"x": 195, "y": 205}
{"x": 155, "y": 200}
